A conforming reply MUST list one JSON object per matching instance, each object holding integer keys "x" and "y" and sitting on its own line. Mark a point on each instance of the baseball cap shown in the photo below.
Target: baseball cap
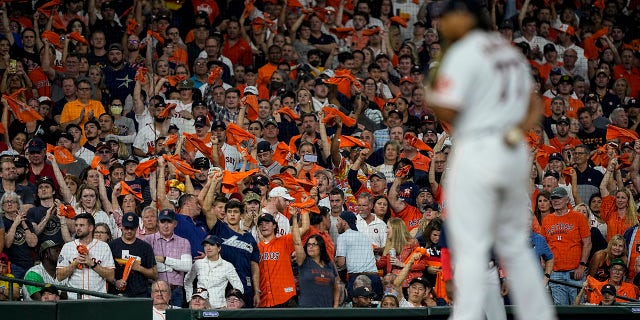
{"x": 563, "y": 119}
{"x": 549, "y": 47}
{"x": 46, "y": 245}
{"x": 416, "y": 69}
{"x": 50, "y": 288}
{"x": 555, "y": 156}
{"x": 111, "y": 137}
{"x": 555, "y": 72}
{"x": 599, "y": 71}
{"x": 433, "y": 206}
{"x": 201, "y": 163}
{"x": 422, "y": 281}
{"x": 566, "y": 28}
{"x": 330, "y": 8}
{"x": 198, "y": 103}
{"x": 91, "y": 121}
{"x": 185, "y": 84}
{"x": 65, "y": 135}
{"x": 428, "y": 118}
{"x": 507, "y": 24}
{"x": 251, "y": 196}
{"x": 406, "y": 79}
{"x": 396, "y": 111}
{"x": 72, "y": 125}
{"x": 166, "y": 214}
{"x": 362, "y": 292}
{"x": 378, "y": 174}
{"x": 566, "y": 79}
{"x": 318, "y": 82}
{"x": 280, "y": 192}
{"x": 102, "y": 145}
{"x": 131, "y": 159}
{"x": 424, "y": 189}
{"x": 213, "y": 240}
{"x": 270, "y": 122}
{"x": 130, "y": 220}
{"x": 201, "y": 122}
{"x": 115, "y": 46}
{"x": 20, "y": 162}
{"x": 36, "y": 145}
{"x": 107, "y": 5}
{"x": 590, "y": 97}
{"x": 218, "y": 124}
{"x": 608, "y": 288}
{"x": 267, "y": 217}
{"x": 46, "y": 100}
{"x": 202, "y": 293}
{"x": 234, "y": 293}
{"x": 46, "y": 180}
{"x": 251, "y": 90}
{"x": 327, "y": 73}
{"x": 551, "y": 173}
{"x": 559, "y": 192}
{"x": 263, "y": 146}
{"x": 633, "y": 103}
{"x": 617, "y": 262}
{"x": 162, "y": 17}
{"x": 350, "y": 218}
{"x": 627, "y": 144}
{"x": 260, "y": 179}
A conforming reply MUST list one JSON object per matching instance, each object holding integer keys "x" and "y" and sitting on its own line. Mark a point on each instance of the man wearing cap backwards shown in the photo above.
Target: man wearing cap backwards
{"x": 277, "y": 284}
{"x": 181, "y": 115}
{"x": 172, "y": 254}
{"x": 88, "y": 271}
{"x": 144, "y": 268}
{"x": 568, "y": 235}
{"x": 476, "y": 53}
{"x": 45, "y": 272}
{"x": 265, "y": 157}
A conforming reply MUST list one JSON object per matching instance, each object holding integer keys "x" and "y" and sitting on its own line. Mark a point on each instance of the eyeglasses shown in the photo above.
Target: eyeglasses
{"x": 10, "y": 202}
{"x": 233, "y": 300}
{"x": 104, "y": 152}
{"x": 312, "y": 244}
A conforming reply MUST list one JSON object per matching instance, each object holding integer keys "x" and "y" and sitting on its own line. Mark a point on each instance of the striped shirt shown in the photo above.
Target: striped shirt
{"x": 86, "y": 278}
{"x": 177, "y": 252}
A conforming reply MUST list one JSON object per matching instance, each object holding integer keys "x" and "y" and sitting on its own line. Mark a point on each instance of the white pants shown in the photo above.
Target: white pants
{"x": 487, "y": 192}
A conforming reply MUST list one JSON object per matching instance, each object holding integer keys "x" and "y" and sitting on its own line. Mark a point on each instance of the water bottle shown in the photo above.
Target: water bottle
{"x": 392, "y": 253}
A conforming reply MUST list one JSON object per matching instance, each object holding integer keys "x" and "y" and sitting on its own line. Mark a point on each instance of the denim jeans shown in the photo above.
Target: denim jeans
{"x": 561, "y": 294}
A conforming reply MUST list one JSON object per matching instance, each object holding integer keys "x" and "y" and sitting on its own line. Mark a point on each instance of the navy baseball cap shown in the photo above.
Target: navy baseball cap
{"x": 166, "y": 214}
{"x": 130, "y": 220}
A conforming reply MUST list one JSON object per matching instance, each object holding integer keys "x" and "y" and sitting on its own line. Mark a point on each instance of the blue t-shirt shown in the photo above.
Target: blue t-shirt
{"x": 316, "y": 284}
{"x": 193, "y": 230}
{"x": 239, "y": 250}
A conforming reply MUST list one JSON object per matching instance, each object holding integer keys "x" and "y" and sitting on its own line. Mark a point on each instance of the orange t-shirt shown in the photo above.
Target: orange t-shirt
{"x": 277, "y": 284}
{"x": 72, "y": 110}
{"x": 420, "y": 161}
{"x": 572, "y": 109}
{"x": 625, "y": 290}
{"x": 564, "y": 235}
{"x": 615, "y": 223}
{"x": 410, "y": 215}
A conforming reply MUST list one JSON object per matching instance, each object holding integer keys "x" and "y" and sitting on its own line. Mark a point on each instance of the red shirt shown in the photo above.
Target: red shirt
{"x": 240, "y": 52}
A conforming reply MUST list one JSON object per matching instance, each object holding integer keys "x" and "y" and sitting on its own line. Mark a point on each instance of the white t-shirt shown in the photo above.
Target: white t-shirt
{"x": 185, "y": 125}
{"x": 87, "y": 278}
{"x": 376, "y": 230}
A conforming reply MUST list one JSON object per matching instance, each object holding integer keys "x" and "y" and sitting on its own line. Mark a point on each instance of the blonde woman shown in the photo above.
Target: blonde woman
{"x": 400, "y": 244}
{"x": 601, "y": 260}
{"x": 618, "y": 210}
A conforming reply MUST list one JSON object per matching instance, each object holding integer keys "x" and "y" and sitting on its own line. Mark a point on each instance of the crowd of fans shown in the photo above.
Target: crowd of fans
{"x": 229, "y": 154}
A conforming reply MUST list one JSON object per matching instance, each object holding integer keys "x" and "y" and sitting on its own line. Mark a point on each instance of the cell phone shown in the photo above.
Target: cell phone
{"x": 12, "y": 66}
{"x": 310, "y": 158}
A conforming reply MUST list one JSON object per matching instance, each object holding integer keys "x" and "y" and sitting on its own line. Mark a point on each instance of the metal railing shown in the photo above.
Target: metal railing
{"x": 62, "y": 288}
{"x": 580, "y": 287}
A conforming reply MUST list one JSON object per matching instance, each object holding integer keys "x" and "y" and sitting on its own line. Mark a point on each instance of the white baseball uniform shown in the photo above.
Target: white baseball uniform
{"x": 488, "y": 83}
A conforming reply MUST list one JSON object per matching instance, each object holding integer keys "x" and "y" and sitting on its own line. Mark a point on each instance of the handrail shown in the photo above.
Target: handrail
{"x": 580, "y": 287}
{"x": 63, "y": 288}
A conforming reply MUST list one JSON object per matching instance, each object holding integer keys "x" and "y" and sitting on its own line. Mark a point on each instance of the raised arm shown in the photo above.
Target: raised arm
{"x": 160, "y": 189}
{"x": 324, "y": 140}
{"x": 397, "y": 282}
{"x": 396, "y": 204}
{"x": 297, "y": 239}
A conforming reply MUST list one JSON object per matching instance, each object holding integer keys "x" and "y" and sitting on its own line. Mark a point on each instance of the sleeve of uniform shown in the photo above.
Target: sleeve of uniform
{"x": 105, "y": 255}
{"x": 66, "y": 256}
{"x": 450, "y": 89}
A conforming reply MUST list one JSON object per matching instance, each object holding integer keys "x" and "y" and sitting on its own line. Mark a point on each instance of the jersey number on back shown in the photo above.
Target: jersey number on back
{"x": 512, "y": 79}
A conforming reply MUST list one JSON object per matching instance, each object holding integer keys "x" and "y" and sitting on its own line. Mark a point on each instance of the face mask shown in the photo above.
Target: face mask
{"x": 116, "y": 110}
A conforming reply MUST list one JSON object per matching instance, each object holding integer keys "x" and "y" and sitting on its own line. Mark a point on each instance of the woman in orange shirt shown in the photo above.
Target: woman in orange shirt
{"x": 619, "y": 210}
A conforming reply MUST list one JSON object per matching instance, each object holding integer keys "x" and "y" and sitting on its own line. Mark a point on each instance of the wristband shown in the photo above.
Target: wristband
{"x": 95, "y": 264}
{"x": 584, "y": 264}
{"x": 547, "y": 275}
